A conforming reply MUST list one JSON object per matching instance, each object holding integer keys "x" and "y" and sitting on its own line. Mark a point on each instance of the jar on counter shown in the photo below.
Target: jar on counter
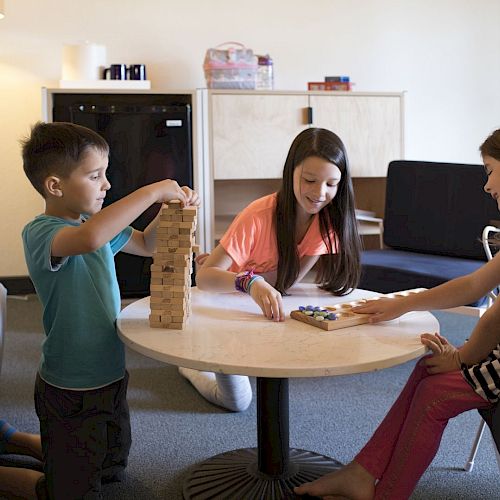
{"x": 265, "y": 75}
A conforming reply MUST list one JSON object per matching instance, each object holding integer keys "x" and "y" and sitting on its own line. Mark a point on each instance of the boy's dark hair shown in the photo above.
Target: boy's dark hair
{"x": 491, "y": 146}
{"x": 338, "y": 272}
{"x": 57, "y": 149}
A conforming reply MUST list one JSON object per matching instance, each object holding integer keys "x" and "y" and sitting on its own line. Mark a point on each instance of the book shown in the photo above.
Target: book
{"x": 329, "y": 85}
{"x": 337, "y": 79}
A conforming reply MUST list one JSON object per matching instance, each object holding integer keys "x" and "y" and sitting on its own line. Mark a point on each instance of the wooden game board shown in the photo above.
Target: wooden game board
{"x": 345, "y": 316}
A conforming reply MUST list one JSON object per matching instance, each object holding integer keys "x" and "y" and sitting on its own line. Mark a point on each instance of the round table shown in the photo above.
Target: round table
{"x": 227, "y": 333}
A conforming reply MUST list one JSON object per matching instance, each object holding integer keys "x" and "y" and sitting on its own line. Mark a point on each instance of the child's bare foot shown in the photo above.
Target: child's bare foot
{"x": 352, "y": 481}
{"x": 23, "y": 443}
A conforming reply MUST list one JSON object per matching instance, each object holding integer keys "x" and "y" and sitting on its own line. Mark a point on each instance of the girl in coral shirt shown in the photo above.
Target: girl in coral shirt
{"x": 276, "y": 241}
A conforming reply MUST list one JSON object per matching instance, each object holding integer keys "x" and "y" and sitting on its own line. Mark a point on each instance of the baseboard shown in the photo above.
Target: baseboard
{"x": 17, "y": 285}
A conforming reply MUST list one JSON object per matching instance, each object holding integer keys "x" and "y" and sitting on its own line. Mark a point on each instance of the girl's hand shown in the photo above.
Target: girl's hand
{"x": 268, "y": 299}
{"x": 383, "y": 309}
{"x": 445, "y": 357}
{"x": 192, "y": 198}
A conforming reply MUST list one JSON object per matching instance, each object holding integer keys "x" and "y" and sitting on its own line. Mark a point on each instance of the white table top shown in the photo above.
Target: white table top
{"x": 227, "y": 333}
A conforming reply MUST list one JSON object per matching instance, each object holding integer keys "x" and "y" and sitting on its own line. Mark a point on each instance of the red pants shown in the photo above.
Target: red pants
{"x": 408, "y": 438}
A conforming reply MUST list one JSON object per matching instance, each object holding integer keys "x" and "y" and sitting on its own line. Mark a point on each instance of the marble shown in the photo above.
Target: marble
{"x": 227, "y": 333}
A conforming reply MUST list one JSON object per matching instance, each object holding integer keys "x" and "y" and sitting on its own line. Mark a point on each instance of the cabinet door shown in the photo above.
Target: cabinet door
{"x": 370, "y": 126}
{"x": 251, "y": 133}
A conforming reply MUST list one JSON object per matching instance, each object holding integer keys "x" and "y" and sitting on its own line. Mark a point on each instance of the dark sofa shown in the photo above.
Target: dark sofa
{"x": 434, "y": 217}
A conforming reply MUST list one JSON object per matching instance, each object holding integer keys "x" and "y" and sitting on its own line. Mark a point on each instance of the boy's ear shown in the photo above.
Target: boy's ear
{"x": 52, "y": 186}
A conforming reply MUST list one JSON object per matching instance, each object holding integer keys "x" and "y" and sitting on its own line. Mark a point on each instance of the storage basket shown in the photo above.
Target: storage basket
{"x": 234, "y": 67}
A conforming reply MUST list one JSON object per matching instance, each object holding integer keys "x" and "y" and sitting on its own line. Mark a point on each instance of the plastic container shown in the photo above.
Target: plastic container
{"x": 265, "y": 73}
{"x": 234, "y": 67}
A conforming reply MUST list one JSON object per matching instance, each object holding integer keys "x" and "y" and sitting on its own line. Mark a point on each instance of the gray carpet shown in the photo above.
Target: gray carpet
{"x": 174, "y": 428}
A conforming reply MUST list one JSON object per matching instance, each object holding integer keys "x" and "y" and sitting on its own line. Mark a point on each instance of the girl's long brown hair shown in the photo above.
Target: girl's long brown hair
{"x": 337, "y": 272}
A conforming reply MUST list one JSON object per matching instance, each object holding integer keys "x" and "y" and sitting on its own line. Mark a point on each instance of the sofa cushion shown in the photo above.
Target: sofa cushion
{"x": 390, "y": 270}
{"x": 437, "y": 208}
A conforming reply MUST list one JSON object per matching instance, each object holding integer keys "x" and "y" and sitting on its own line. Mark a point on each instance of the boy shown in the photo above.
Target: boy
{"x": 80, "y": 389}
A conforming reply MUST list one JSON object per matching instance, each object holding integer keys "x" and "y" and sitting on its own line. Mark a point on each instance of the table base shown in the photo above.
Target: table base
{"x": 234, "y": 475}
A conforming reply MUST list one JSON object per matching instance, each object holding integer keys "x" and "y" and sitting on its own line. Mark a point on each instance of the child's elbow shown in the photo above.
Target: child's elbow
{"x": 90, "y": 243}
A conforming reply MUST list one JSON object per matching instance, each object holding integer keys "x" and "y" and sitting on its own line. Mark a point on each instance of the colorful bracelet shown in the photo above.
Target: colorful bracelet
{"x": 254, "y": 278}
{"x": 244, "y": 280}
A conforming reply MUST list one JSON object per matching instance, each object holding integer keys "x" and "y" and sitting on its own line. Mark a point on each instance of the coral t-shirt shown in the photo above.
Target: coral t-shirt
{"x": 251, "y": 238}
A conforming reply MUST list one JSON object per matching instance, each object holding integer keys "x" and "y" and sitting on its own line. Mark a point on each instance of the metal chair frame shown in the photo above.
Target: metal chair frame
{"x": 469, "y": 465}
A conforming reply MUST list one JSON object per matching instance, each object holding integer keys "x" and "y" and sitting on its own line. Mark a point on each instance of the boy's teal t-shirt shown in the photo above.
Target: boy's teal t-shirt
{"x": 81, "y": 301}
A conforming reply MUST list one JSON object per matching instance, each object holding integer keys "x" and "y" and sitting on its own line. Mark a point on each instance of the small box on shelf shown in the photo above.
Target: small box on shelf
{"x": 344, "y": 86}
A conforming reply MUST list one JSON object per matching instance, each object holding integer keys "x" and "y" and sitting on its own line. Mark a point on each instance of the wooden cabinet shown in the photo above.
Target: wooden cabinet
{"x": 247, "y": 134}
{"x": 251, "y": 133}
{"x": 369, "y": 125}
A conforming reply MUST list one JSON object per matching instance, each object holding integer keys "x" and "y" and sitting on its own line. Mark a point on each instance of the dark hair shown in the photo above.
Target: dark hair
{"x": 56, "y": 149}
{"x": 338, "y": 272}
{"x": 491, "y": 146}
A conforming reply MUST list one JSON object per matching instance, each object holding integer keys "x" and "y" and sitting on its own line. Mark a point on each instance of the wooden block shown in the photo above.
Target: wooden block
{"x": 170, "y": 250}
{"x": 179, "y": 225}
{"x": 165, "y": 296}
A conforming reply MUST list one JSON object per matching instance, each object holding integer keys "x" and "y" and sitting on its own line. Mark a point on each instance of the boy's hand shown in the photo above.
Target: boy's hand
{"x": 192, "y": 198}
{"x": 445, "y": 357}
{"x": 383, "y": 309}
{"x": 268, "y": 299}
{"x": 169, "y": 190}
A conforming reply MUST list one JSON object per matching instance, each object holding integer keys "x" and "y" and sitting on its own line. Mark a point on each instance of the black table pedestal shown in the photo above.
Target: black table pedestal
{"x": 267, "y": 472}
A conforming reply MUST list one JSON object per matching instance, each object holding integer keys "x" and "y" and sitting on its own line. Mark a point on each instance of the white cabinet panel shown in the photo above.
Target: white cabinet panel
{"x": 369, "y": 125}
{"x": 251, "y": 133}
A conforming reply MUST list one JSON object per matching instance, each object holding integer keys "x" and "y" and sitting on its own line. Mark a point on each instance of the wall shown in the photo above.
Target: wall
{"x": 444, "y": 53}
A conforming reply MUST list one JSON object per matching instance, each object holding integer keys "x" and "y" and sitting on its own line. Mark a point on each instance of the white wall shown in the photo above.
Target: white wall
{"x": 444, "y": 53}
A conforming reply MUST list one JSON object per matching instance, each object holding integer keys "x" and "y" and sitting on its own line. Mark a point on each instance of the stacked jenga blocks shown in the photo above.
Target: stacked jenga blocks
{"x": 172, "y": 267}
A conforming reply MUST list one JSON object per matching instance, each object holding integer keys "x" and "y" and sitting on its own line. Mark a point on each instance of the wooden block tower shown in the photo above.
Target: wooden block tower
{"x": 172, "y": 267}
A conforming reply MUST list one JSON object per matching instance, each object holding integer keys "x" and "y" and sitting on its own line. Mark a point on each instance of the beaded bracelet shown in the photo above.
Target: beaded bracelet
{"x": 244, "y": 280}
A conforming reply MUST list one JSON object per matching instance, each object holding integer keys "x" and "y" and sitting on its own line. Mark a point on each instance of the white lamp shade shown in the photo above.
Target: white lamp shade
{"x": 2, "y": 10}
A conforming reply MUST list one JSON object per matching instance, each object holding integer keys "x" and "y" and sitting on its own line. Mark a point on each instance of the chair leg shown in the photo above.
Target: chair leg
{"x": 497, "y": 452}
{"x": 469, "y": 465}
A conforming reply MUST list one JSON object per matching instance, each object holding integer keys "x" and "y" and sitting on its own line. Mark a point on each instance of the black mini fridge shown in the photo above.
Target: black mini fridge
{"x": 149, "y": 136}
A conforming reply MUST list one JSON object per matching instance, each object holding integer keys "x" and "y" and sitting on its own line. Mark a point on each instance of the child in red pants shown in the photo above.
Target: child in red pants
{"x": 442, "y": 385}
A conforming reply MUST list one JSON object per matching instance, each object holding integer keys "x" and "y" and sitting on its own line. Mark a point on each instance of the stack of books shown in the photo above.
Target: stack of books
{"x": 332, "y": 83}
